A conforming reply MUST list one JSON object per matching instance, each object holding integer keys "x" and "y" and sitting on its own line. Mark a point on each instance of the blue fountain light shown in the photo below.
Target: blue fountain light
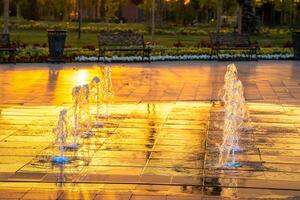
{"x": 58, "y": 160}
{"x": 232, "y": 164}
{"x": 236, "y": 149}
{"x": 61, "y": 132}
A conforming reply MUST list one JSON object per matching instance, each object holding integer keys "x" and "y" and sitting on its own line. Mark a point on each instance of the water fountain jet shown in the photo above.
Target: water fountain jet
{"x": 235, "y": 114}
{"x": 107, "y": 88}
{"x": 85, "y": 110}
{"x": 95, "y": 85}
{"x": 61, "y": 132}
{"x": 76, "y": 97}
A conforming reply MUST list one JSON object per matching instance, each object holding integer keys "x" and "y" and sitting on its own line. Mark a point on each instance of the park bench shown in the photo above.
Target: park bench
{"x": 122, "y": 41}
{"x": 6, "y": 46}
{"x": 232, "y": 41}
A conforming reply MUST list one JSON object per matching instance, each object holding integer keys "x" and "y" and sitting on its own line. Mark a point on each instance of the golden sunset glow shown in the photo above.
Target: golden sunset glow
{"x": 185, "y": 1}
{"x": 81, "y": 77}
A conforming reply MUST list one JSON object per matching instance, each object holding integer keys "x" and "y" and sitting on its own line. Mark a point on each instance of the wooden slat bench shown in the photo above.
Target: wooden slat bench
{"x": 232, "y": 41}
{"x": 6, "y": 46}
{"x": 122, "y": 41}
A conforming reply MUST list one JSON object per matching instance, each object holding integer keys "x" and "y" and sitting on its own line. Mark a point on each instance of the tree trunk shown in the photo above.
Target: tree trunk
{"x": 153, "y": 21}
{"x": 6, "y": 16}
{"x": 292, "y": 17}
{"x": 97, "y": 7}
{"x": 219, "y": 14}
{"x": 67, "y": 10}
{"x": 18, "y": 9}
{"x": 102, "y": 9}
{"x": 79, "y": 17}
{"x": 159, "y": 13}
{"x": 207, "y": 14}
{"x": 240, "y": 18}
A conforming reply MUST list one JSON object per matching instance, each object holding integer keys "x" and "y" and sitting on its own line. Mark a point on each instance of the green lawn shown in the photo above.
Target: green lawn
{"x": 40, "y": 37}
{"x": 32, "y": 37}
{"x": 34, "y": 32}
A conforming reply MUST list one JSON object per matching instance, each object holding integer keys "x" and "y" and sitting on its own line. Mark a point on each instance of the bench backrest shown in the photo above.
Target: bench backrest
{"x": 230, "y": 39}
{"x": 4, "y": 40}
{"x": 119, "y": 39}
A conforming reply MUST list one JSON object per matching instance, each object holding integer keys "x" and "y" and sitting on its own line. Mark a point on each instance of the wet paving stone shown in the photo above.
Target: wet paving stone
{"x": 161, "y": 138}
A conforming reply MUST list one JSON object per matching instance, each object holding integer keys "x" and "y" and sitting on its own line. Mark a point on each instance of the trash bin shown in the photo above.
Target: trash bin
{"x": 56, "y": 41}
{"x": 296, "y": 45}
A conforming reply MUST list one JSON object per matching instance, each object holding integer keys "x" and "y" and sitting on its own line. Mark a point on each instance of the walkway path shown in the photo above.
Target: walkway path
{"x": 161, "y": 139}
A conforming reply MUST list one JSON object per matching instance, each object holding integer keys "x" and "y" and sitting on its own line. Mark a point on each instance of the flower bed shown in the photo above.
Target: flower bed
{"x": 182, "y": 58}
{"x": 182, "y": 54}
{"x": 158, "y": 54}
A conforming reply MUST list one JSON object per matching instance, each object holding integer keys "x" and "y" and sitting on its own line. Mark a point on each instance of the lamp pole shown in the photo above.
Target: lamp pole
{"x": 6, "y": 16}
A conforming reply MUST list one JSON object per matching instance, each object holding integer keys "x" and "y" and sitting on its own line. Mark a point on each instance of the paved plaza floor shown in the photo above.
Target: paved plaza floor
{"x": 160, "y": 140}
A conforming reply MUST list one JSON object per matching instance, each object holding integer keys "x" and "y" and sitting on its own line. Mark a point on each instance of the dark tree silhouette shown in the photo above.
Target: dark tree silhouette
{"x": 137, "y": 2}
{"x": 30, "y": 9}
{"x": 249, "y": 20}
